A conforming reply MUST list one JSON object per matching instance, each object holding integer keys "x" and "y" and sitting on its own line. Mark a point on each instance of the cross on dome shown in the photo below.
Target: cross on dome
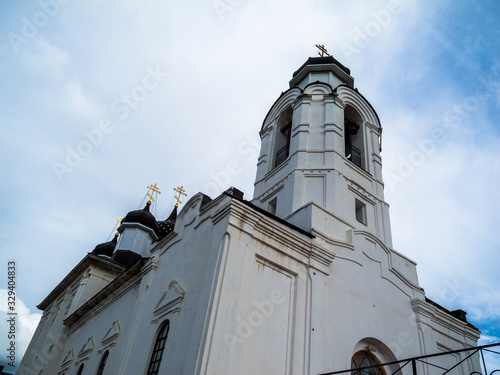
{"x": 180, "y": 190}
{"x": 154, "y": 189}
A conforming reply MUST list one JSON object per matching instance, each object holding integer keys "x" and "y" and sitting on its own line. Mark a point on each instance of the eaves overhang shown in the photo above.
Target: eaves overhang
{"x": 88, "y": 260}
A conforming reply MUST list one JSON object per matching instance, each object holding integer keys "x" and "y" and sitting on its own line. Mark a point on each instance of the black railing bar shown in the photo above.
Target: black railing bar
{"x": 484, "y": 363}
{"x": 432, "y": 364}
{"x": 463, "y": 360}
{"x": 492, "y": 351}
{"x": 359, "y": 371}
{"x": 419, "y": 357}
{"x": 494, "y": 371}
{"x": 400, "y": 368}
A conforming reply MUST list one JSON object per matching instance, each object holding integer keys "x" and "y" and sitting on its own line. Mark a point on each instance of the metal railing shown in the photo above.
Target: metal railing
{"x": 281, "y": 155}
{"x": 353, "y": 154}
{"x": 423, "y": 359}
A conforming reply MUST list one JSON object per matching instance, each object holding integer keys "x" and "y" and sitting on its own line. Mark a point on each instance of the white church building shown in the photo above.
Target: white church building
{"x": 301, "y": 279}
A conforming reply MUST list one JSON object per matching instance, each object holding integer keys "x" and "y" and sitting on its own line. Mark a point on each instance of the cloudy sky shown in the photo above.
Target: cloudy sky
{"x": 100, "y": 99}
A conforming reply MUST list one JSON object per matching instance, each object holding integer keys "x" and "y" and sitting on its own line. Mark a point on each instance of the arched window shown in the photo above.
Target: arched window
{"x": 365, "y": 359}
{"x": 154, "y": 363}
{"x": 104, "y": 358}
{"x": 80, "y": 370}
{"x": 353, "y": 137}
{"x": 282, "y": 137}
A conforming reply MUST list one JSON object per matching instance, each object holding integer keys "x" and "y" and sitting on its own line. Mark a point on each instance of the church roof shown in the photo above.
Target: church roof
{"x": 143, "y": 217}
{"x": 166, "y": 226}
{"x": 321, "y": 61}
{"x": 105, "y": 292}
{"x": 106, "y": 248}
{"x": 75, "y": 272}
{"x": 238, "y": 197}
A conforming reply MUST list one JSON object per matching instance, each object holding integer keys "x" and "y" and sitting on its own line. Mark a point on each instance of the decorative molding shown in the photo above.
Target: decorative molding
{"x": 86, "y": 348}
{"x": 151, "y": 265}
{"x": 67, "y": 361}
{"x": 375, "y": 128}
{"x": 112, "y": 335}
{"x": 339, "y": 102}
{"x": 318, "y": 88}
{"x": 286, "y": 99}
{"x": 353, "y": 98}
{"x": 170, "y": 301}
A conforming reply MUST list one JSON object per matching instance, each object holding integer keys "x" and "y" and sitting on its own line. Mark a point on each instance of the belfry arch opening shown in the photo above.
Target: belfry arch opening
{"x": 282, "y": 136}
{"x": 353, "y": 137}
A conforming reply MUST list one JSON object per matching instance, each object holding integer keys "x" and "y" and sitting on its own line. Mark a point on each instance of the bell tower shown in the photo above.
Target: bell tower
{"x": 319, "y": 165}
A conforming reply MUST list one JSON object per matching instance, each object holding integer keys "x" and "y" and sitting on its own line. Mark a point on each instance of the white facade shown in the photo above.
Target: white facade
{"x": 245, "y": 291}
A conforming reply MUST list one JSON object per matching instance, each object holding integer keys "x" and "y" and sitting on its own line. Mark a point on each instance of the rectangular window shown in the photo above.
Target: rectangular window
{"x": 272, "y": 206}
{"x": 360, "y": 212}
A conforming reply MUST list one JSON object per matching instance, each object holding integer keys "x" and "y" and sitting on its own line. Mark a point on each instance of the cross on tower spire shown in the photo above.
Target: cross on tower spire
{"x": 322, "y": 50}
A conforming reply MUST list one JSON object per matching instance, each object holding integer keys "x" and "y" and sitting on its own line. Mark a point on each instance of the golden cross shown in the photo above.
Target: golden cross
{"x": 181, "y": 191}
{"x": 118, "y": 221}
{"x": 154, "y": 189}
{"x": 323, "y": 50}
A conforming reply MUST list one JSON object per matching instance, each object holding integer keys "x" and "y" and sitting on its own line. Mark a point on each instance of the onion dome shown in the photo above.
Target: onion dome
{"x": 106, "y": 248}
{"x": 166, "y": 226}
{"x": 143, "y": 217}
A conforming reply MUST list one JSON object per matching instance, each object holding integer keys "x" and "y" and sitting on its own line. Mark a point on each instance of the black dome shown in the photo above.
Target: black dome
{"x": 143, "y": 217}
{"x": 106, "y": 248}
{"x": 166, "y": 226}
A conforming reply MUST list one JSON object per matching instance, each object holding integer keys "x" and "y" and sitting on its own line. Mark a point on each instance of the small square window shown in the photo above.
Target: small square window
{"x": 360, "y": 212}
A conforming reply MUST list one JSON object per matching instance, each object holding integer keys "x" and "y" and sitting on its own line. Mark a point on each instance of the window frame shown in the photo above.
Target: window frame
{"x": 360, "y": 211}
{"x": 102, "y": 363}
{"x": 158, "y": 349}
{"x": 373, "y": 361}
{"x": 80, "y": 369}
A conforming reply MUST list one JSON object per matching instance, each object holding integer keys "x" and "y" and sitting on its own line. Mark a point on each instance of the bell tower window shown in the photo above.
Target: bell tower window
{"x": 353, "y": 137}
{"x": 282, "y": 137}
{"x": 272, "y": 206}
{"x": 360, "y": 212}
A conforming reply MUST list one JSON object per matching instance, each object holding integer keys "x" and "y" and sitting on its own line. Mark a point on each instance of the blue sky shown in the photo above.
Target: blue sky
{"x": 170, "y": 92}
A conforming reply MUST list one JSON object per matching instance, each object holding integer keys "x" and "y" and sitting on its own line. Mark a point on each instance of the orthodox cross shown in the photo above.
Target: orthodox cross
{"x": 181, "y": 191}
{"x": 154, "y": 189}
{"x": 118, "y": 221}
{"x": 323, "y": 50}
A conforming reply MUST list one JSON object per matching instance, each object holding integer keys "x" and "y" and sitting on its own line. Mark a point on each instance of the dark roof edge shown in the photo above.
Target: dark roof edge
{"x": 104, "y": 292}
{"x": 454, "y": 313}
{"x": 270, "y": 215}
{"x": 323, "y": 60}
{"x": 78, "y": 268}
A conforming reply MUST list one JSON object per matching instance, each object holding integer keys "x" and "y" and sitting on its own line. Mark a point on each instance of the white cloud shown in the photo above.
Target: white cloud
{"x": 46, "y": 59}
